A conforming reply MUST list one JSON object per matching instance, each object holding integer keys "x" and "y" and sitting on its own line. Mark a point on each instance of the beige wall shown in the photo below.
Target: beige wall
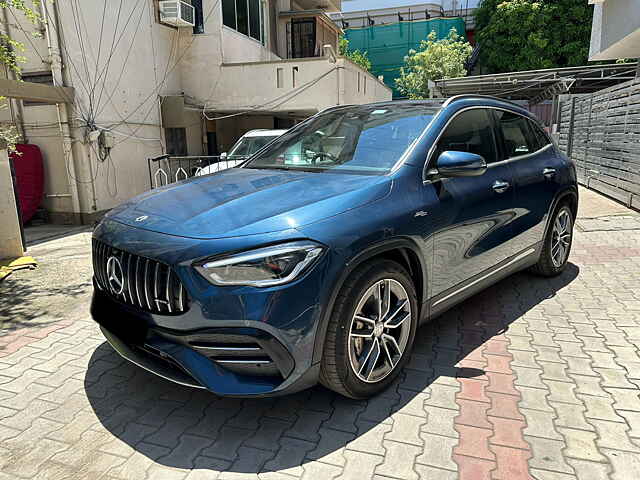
{"x": 122, "y": 97}
{"x": 339, "y": 85}
{"x": 615, "y": 32}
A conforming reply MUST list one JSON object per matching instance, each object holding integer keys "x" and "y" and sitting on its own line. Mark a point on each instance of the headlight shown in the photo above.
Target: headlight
{"x": 264, "y": 267}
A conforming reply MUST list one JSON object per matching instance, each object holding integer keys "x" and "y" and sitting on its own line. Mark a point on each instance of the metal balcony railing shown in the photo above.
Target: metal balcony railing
{"x": 167, "y": 169}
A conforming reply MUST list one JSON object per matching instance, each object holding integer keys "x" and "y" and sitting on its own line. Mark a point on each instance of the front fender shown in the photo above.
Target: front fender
{"x": 374, "y": 250}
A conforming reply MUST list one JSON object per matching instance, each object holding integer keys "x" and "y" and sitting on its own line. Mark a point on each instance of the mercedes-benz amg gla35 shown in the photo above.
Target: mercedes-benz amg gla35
{"x": 318, "y": 258}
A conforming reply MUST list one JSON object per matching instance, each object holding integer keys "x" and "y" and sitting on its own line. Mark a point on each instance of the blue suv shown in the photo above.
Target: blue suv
{"x": 318, "y": 258}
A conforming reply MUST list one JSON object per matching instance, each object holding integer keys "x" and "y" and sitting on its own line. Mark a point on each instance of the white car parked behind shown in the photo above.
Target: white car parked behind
{"x": 248, "y": 144}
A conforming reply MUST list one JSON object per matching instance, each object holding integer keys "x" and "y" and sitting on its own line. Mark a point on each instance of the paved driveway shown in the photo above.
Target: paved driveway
{"x": 533, "y": 378}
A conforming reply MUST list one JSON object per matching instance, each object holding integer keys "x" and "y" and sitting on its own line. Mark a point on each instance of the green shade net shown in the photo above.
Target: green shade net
{"x": 387, "y": 45}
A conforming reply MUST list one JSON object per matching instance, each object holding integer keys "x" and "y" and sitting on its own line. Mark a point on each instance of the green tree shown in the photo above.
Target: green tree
{"x": 520, "y": 35}
{"x": 356, "y": 56}
{"x": 11, "y": 55}
{"x": 436, "y": 59}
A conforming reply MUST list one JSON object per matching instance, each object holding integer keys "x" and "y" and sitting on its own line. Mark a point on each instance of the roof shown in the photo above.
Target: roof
{"x": 264, "y": 133}
{"x": 538, "y": 85}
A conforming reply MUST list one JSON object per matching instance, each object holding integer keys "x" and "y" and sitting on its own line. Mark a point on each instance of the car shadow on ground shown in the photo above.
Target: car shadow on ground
{"x": 187, "y": 428}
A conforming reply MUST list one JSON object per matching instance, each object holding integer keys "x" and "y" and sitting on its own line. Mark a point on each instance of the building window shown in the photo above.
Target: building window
{"x": 176, "y": 139}
{"x": 244, "y": 16}
{"x": 199, "y": 17}
{"x": 45, "y": 78}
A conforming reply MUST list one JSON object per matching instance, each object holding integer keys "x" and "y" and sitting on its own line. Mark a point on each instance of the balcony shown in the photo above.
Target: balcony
{"x": 307, "y": 32}
{"x": 326, "y": 5}
{"x": 303, "y": 85}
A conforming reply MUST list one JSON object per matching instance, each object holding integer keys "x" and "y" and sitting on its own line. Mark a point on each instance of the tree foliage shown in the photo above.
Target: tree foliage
{"x": 356, "y": 56}
{"x": 436, "y": 59}
{"x": 520, "y": 35}
{"x": 11, "y": 54}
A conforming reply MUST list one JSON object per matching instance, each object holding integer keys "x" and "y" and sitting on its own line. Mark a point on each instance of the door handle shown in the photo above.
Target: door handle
{"x": 549, "y": 172}
{"x": 500, "y": 186}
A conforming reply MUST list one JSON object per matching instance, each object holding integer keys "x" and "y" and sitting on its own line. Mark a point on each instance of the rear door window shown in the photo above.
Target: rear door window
{"x": 470, "y": 131}
{"x": 543, "y": 139}
{"x": 518, "y": 138}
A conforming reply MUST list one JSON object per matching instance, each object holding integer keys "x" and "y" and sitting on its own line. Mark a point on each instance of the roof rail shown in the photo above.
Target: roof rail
{"x": 336, "y": 107}
{"x": 464, "y": 96}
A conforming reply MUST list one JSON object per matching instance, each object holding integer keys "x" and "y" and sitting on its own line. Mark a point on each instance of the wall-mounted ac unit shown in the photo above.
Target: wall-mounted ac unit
{"x": 177, "y": 13}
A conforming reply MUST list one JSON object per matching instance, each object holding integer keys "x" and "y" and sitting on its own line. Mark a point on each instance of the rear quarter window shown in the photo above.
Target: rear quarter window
{"x": 517, "y": 135}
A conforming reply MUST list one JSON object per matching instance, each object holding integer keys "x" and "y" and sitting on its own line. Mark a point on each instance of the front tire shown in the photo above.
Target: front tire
{"x": 557, "y": 244}
{"x": 371, "y": 331}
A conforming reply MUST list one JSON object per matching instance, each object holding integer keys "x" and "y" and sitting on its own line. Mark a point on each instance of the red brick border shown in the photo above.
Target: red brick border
{"x": 491, "y": 444}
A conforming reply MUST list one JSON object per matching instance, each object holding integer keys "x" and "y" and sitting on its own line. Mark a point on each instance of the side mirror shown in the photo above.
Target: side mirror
{"x": 223, "y": 156}
{"x": 460, "y": 164}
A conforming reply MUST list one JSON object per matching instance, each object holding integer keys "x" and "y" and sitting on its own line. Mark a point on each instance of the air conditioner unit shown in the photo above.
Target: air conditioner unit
{"x": 177, "y": 13}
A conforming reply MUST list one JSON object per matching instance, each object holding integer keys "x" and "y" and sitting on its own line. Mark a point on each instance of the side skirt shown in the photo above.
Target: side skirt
{"x": 449, "y": 298}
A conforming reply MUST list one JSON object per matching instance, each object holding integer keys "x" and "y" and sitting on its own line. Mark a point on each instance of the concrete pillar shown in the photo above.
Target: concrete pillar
{"x": 10, "y": 237}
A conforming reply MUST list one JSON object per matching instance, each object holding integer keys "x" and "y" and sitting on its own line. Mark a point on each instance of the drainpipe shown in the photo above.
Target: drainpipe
{"x": 72, "y": 145}
{"x": 15, "y": 106}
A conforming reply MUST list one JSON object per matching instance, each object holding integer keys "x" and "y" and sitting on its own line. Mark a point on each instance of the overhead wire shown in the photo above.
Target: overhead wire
{"x": 179, "y": 59}
{"x": 285, "y": 98}
{"x": 80, "y": 36}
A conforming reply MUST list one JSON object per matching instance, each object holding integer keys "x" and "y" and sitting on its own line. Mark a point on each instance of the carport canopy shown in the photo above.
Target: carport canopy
{"x": 538, "y": 85}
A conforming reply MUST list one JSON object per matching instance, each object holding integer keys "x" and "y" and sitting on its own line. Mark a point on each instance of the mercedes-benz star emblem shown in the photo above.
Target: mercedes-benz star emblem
{"x": 115, "y": 275}
{"x": 142, "y": 218}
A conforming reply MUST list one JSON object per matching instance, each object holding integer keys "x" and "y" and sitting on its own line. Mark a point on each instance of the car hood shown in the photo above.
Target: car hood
{"x": 243, "y": 201}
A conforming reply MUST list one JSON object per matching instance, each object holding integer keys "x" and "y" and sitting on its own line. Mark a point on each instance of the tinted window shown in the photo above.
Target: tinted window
{"x": 471, "y": 131}
{"x": 242, "y": 13}
{"x": 518, "y": 138}
{"x": 541, "y": 136}
{"x": 254, "y": 19}
{"x": 229, "y": 13}
{"x": 367, "y": 139}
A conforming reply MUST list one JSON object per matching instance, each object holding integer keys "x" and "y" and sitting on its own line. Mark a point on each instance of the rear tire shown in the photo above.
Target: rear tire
{"x": 557, "y": 244}
{"x": 371, "y": 330}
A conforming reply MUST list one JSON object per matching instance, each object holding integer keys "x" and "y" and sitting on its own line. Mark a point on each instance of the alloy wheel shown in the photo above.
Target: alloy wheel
{"x": 561, "y": 238}
{"x": 379, "y": 330}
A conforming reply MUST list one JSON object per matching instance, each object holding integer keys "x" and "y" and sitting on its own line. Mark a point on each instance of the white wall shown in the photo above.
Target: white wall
{"x": 119, "y": 92}
{"x": 318, "y": 84}
{"x": 204, "y": 54}
{"x": 615, "y": 32}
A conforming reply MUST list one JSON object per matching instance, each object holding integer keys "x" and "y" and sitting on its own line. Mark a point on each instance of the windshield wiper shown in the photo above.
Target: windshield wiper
{"x": 278, "y": 167}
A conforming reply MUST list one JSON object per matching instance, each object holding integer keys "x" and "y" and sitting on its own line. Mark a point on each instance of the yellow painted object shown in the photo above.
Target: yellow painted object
{"x": 9, "y": 266}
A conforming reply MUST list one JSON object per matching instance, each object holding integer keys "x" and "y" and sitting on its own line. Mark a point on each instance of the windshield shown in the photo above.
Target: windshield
{"x": 247, "y": 146}
{"x": 368, "y": 139}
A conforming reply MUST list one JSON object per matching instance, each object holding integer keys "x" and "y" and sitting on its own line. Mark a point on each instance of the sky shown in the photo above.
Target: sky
{"x": 357, "y": 5}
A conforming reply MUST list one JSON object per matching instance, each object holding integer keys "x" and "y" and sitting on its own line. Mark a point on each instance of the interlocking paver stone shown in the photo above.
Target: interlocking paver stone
{"x": 534, "y": 378}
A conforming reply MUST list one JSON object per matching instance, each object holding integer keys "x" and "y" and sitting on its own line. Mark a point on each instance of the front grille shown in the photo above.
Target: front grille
{"x": 147, "y": 284}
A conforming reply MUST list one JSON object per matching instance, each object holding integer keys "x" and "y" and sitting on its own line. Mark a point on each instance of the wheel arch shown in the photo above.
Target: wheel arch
{"x": 568, "y": 194}
{"x": 401, "y": 250}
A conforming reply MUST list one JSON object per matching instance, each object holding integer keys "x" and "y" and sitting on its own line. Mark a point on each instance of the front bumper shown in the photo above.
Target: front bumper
{"x": 233, "y": 360}
{"x": 282, "y": 321}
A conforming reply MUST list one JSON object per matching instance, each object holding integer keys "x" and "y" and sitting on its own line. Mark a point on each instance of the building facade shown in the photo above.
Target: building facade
{"x": 615, "y": 31}
{"x": 388, "y": 34}
{"x": 184, "y": 78}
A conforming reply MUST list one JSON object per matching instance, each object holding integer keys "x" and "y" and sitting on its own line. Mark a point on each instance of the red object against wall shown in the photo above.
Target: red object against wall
{"x": 29, "y": 171}
{"x": 471, "y": 37}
